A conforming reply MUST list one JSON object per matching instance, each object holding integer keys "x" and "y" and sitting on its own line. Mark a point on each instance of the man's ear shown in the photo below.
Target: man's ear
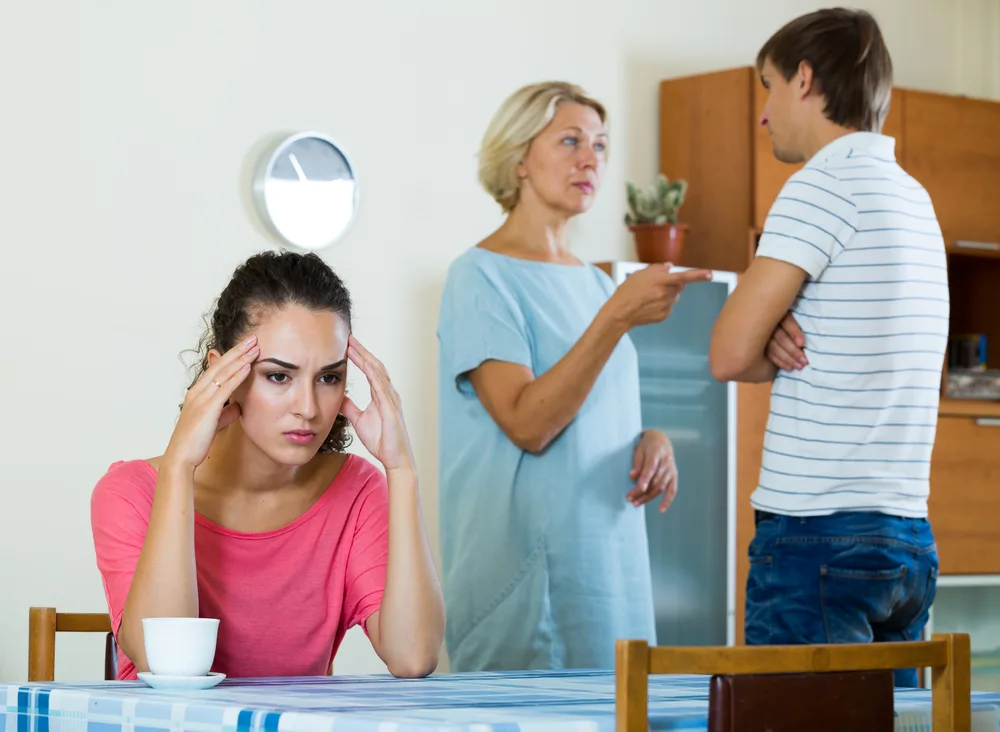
{"x": 803, "y": 80}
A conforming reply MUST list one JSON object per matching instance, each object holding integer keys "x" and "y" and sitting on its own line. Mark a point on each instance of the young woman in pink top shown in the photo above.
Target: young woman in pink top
{"x": 256, "y": 515}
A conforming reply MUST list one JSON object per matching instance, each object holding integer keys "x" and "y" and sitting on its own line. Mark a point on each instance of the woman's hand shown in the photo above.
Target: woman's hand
{"x": 654, "y": 470}
{"x": 204, "y": 412}
{"x": 648, "y": 296}
{"x": 380, "y": 427}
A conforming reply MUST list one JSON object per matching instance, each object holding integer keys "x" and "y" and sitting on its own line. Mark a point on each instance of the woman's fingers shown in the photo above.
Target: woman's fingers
{"x": 374, "y": 382}
{"x": 656, "y": 487}
{"x": 647, "y": 473}
{"x": 367, "y": 357}
{"x": 226, "y": 381}
{"x": 669, "y": 490}
{"x": 638, "y": 456}
{"x": 229, "y": 364}
{"x": 377, "y": 375}
{"x": 638, "y": 494}
{"x": 350, "y": 410}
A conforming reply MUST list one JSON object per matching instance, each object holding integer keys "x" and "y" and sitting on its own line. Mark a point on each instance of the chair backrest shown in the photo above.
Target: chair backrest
{"x": 948, "y": 655}
{"x": 45, "y": 622}
{"x": 831, "y": 701}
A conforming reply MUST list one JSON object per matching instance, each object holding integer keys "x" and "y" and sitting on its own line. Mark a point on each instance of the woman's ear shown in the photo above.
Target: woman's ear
{"x": 213, "y": 356}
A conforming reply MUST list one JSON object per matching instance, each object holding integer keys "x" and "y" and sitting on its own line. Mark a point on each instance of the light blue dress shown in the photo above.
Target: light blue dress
{"x": 545, "y": 563}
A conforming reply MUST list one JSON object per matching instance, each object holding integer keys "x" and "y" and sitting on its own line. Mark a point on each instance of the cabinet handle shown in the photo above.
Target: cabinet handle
{"x": 988, "y": 422}
{"x": 987, "y": 245}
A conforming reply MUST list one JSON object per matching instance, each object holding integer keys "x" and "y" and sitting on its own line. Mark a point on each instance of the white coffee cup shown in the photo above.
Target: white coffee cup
{"x": 180, "y": 646}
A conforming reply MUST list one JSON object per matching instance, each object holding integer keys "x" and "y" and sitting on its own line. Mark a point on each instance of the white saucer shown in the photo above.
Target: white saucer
{"x": 190, "y": 683}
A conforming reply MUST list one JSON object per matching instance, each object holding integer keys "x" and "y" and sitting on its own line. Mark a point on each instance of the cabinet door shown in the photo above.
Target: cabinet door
{"x": 691, "y": 545}
{"x": 705, "y": 140}
{"x": 965, "y": 495}
{"x": 770, "y": 174}
{"x": 754, "y": 408}
{"x": 953, "y": 148}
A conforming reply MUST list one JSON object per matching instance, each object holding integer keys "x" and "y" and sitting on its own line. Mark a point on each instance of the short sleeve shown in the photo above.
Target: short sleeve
{"x": 120, "y": 507}
{"x": 810, "y": 222}
{"x": 480, "y": 320}
{"x": 366, "y": 562}
{"x": 604, "y": 280}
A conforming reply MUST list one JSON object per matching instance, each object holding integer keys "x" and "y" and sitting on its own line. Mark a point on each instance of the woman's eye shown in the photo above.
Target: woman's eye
{"x": 330, "y": 378}
{"x": 277, "y": 378}
{"x": 569, "y": 140}
{"x": 600, "y": 147}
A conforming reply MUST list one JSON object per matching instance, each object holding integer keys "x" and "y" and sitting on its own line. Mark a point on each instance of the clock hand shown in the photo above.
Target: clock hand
{"x": 298, "y": 168}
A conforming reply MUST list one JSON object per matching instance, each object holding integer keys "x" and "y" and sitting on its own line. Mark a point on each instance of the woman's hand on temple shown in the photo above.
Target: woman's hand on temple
{"x": 380, "y": 427}
{"x": 205, "y": 412}
{"x": 654, "y": 470}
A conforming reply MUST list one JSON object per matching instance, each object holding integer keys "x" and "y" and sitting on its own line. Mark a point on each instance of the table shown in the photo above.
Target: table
{"x": 524, "y": 701}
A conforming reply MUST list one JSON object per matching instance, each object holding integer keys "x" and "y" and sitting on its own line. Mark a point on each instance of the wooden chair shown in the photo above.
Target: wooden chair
{"x": 45, "y": 622}
{"x": 947, "y": 654}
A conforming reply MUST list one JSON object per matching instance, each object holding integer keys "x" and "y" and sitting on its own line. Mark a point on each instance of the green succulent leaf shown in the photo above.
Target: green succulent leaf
{"x": 658, "y": 204}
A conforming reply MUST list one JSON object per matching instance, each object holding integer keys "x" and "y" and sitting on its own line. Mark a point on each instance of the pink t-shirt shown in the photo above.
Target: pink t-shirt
{"x": 286, "y": 597}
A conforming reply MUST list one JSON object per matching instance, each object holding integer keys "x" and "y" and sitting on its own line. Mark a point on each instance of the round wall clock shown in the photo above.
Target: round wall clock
{"x": 305, "y": 190}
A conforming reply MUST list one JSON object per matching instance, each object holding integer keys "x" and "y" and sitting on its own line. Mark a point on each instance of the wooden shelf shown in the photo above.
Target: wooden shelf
{"x": 969, "y": 408}
{"x": 955, "y": 250}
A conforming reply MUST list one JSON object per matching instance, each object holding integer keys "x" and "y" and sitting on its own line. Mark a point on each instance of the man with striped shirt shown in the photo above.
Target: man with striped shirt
{"x": 845, "y": 307}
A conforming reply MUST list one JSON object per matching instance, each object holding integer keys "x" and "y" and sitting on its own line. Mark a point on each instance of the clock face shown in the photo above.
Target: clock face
{"x": 306, "y": 191}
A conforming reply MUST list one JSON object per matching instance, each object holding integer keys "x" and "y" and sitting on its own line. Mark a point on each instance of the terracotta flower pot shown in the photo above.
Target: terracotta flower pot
{"x": 659, "y": 242}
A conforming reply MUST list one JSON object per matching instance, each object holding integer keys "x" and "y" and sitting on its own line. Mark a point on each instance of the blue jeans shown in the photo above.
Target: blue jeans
{"x": 849, "y": 577}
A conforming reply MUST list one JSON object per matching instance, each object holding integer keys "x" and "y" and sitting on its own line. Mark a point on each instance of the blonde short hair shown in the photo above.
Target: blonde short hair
{"x": 522, "y": 116}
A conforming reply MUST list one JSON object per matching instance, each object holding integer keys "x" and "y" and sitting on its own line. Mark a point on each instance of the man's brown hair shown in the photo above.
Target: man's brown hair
{"x": 849, "y": 60}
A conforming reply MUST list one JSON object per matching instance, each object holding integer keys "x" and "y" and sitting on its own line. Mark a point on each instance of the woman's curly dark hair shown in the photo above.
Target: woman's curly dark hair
{"x": 269, "y": 281}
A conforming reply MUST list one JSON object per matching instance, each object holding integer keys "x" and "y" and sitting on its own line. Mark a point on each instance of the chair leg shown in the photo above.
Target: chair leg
{"x": 631, "y": 686}
{"x": 42, "y": 644}
{"x": 951, "y": 686}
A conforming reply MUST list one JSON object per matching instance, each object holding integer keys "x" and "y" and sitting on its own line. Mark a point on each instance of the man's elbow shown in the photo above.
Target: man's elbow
{"x": 723, "y": 367}
{"x": 727, "y": 361}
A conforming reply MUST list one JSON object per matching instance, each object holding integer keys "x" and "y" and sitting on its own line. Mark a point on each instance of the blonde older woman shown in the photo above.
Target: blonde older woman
{"x": 543, "y": 463}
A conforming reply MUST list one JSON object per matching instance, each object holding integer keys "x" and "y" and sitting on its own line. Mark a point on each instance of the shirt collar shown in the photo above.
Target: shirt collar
{"x": 854, "y": 144}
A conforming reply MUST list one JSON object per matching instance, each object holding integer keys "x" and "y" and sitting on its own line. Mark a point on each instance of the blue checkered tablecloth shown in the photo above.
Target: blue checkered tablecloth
{"x": 479, "y": 702}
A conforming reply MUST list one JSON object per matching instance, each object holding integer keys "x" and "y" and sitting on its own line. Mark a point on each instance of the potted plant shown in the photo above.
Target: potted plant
{"x": 652, "y": 219}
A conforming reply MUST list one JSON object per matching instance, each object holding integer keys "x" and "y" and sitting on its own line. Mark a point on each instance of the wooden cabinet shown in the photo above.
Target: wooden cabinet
{"x": 706, "y": 138}
{"x": 953, "y": 148}
{"x": 974, "y": 286}
{"x": 965, "y": 495}
{"x": 753, "y": 406}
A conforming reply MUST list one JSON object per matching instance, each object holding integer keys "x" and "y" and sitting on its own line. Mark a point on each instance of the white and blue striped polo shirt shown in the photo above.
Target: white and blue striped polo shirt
{"x": 854, "y": 429}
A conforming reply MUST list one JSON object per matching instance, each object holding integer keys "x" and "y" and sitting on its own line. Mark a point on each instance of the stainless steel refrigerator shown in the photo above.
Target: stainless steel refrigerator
{"x": 692, "y": 546}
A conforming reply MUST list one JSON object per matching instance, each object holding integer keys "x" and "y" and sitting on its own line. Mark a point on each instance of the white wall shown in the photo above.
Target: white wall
{"x": 125, "y": 127}
{"x": 978, "y": 40}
